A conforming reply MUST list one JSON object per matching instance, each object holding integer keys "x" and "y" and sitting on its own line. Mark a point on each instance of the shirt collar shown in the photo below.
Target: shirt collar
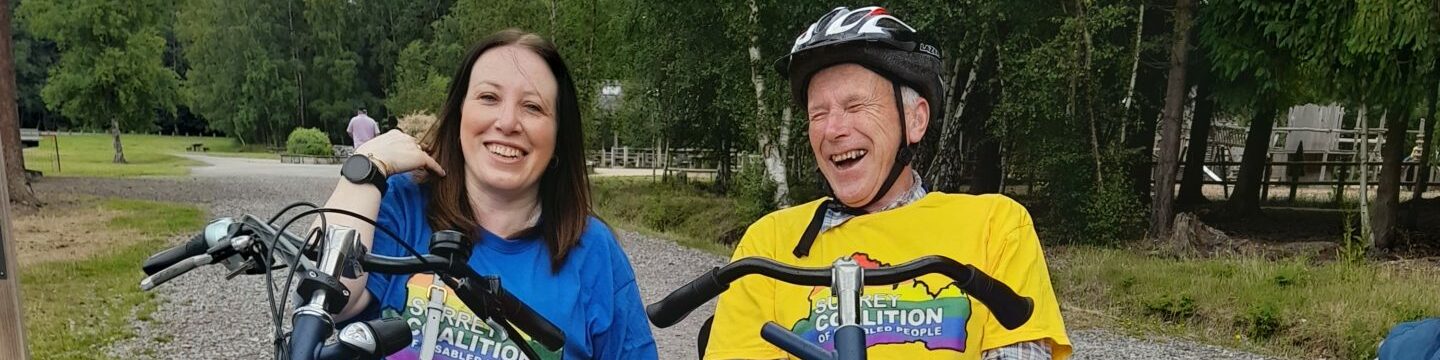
{"x": 917, "y": 191}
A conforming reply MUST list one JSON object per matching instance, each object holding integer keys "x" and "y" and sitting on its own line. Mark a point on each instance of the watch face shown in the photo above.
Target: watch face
{"x": 355, "y": 168}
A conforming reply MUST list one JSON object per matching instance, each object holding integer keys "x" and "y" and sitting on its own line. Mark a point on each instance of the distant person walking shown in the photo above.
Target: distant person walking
{"x": 362, "y": 128}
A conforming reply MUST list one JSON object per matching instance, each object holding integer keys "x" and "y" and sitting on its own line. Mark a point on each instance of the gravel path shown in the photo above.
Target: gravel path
{"x": 202, "y": 316}
{"x": 1100, "y": 344}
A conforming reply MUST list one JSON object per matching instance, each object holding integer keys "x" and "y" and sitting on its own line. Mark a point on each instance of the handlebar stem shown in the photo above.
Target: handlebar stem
{"x": 847, "y": 279}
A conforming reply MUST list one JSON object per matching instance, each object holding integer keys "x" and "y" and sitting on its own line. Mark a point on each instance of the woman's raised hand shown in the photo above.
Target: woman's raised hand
{"x": 398, "y": 152}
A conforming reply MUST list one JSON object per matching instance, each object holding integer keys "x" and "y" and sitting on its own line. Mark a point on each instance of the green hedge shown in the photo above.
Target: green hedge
{"x": 308, "y": 141}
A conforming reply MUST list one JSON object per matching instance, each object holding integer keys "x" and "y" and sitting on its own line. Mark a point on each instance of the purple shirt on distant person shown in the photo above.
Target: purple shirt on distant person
{"x": 362, "y": 128}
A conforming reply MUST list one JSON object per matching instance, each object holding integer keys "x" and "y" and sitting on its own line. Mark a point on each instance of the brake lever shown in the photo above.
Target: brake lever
{"x": 182, "y": 267}
{"x": 242, "y": 269}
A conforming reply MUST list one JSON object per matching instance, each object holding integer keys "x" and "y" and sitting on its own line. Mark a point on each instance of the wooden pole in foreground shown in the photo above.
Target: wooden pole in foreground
{"x": 12, "y": 325}
{"x": 12, "y": 328}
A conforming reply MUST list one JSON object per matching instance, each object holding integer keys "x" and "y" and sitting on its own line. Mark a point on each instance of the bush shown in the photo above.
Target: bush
{"x": 1171, "y": 308}
{"x": 806, "y": 184}
{"x": 754, "y": 191}
{"x": 1112, "y": 214}
{"x": 416, "y": 124}
{"x": 1260, "y": 321}
{"x": 1353, "y": 241}
{"x": 670, "y": 215}
{"x": 684, "y": 212}
{"x": 308, "y": 141}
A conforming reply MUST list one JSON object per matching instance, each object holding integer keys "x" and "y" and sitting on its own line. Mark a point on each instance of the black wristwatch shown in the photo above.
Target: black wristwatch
{"x": 358, "y": 169}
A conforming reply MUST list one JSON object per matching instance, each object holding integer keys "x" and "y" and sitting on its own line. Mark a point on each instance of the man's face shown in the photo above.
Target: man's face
{"x": 854, "y": 130}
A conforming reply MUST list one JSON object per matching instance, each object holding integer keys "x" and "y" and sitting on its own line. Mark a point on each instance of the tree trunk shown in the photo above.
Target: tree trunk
{"x": 924, "y": 153}
{"x": 295, "y": 57}
{"x": 987, "y": 177}
{"x": 1246, "y": 198}
{"x": 779, "y": 171}
{"x": 1135, "y": 60}
{"x": 1081, "y": 88}
{"x": 1192, "y": 183}
{"x": 769, "y": 148}
{"x": 554, "y": 15}
{"x": 15, "y": 180}
{"x": 1364, "y": 160}
{"x": 987, "y": 166}
{"x": 1422, "y": 177}
{"x": 1387, "y": 195}
{"x": 943, "y": 168}
{"x": 115, "y": 132}
{"x": 1150, "y": 84}
{"x": 1162, "y": 209}
{"x": 723, "y": 174}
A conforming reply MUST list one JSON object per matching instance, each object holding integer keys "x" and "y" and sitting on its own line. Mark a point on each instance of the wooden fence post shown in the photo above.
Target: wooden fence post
{"x": 1295, "y": 173}
{"x": 12, "y": 327}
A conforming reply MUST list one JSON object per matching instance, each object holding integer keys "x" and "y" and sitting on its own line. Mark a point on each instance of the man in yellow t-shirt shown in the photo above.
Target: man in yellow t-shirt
{"x": 868, "y": 86}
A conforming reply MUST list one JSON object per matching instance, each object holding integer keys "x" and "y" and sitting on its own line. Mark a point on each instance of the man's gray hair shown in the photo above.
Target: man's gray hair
{"x": 909, "y": 96}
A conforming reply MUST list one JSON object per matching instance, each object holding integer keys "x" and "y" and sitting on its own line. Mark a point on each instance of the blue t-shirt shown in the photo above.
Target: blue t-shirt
{"x": 593, "y": 298}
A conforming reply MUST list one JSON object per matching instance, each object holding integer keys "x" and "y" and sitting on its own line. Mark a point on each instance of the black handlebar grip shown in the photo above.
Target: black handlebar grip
{"x": 391, "y": 334}
{"x": 171, "y": 256}
{"x": 674, "y": 307}
{"x": 1011, "y": 309}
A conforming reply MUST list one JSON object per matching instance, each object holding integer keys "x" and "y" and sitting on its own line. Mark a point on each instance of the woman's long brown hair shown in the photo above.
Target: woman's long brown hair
{"x": 564, "y": 187}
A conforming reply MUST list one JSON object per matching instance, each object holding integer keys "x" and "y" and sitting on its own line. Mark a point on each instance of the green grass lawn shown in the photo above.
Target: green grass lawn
{"x": 90, "y": 155}
{"x": 75, "y": 308}
{"x": 1292, "y": 308}
{"x": 680, "y": 212}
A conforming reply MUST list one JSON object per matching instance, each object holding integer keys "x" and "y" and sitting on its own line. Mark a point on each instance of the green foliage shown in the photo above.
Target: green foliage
{"x": 753, "y": 190}
{"x": 261, "y": 68}
{"x": 33, "y": 58}
{"x": 109, "y": 72}
{"x": 1078, "y": 209}
{"x": 244, "y": 66}
{"x": 1171, "y": 308}
{"x": 1322, "y": 51}
{"x": 332, "y": 86}
{"x": 1289, "y": 308}
{"x": 685, "y": 213}
{"x": 1113, "y": 215}
{"x": 1287, "y": 278}
{"x": 1055, "y": 99}
{"x": 1353, "y": 242}
{"x": 307, "y": 141}
{"x": 1260, "y": 321}
{"x": 419, "y": 87}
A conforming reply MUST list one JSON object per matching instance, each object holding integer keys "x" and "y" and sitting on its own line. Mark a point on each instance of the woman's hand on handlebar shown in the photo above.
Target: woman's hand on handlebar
{"x": 399, "y": 153}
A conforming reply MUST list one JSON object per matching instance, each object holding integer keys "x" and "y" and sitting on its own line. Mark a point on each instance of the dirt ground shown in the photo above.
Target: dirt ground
{"x": 69, "y": 226}
{"x": 1309, "y": 227}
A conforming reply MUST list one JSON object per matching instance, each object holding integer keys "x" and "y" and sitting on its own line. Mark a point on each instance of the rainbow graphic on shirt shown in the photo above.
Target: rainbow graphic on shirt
{"x": 903, "y": 313}
{"x": 462, "y": 336}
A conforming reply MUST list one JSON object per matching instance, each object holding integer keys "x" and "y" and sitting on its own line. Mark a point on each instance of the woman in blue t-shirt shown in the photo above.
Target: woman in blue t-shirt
{"x": 504, "y": 163}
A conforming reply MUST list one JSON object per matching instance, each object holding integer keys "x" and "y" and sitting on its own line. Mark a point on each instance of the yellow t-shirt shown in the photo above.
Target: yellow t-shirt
{"x": 925, "y": 318}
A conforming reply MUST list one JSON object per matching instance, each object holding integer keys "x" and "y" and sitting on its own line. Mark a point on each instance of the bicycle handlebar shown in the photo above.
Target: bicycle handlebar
{"x": 470, "y": 293}
{"x": 196, "y": 246}
{"x": 482, "y": 294}
{"x": 1009, "y": 308}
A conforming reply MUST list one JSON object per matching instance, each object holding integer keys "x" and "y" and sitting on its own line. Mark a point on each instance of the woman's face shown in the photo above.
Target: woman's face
{"x": 507, "y": 122}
